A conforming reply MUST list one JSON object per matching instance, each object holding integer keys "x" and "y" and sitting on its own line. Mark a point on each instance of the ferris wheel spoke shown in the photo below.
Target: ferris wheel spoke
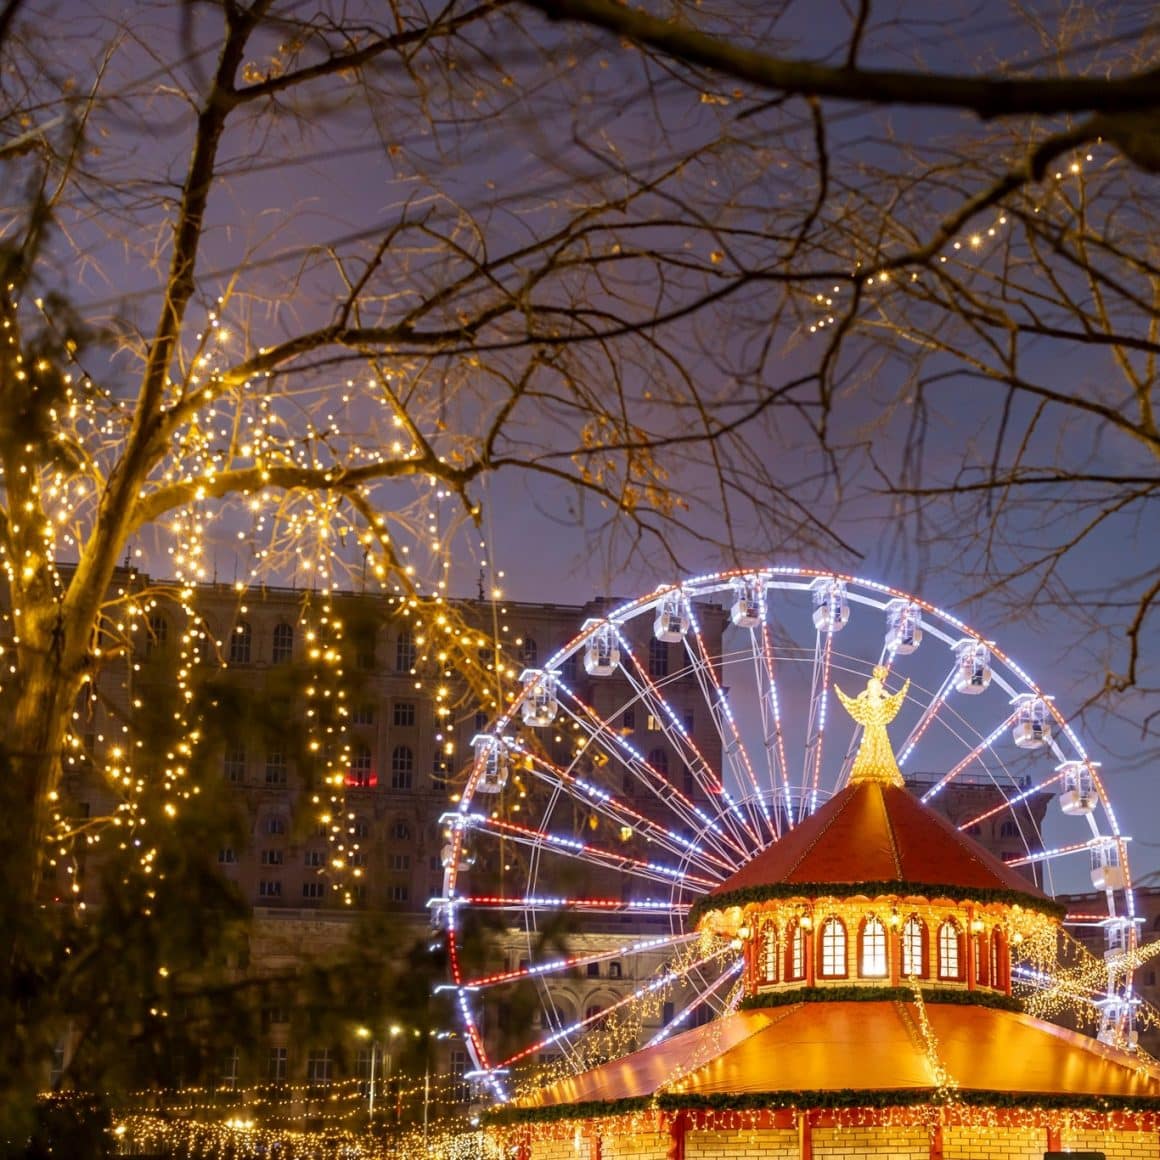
{"x": 699, "y": 1000}
{"x": 816, "y": 722}
{"x": 529, "y": 907}
{"x": 733, "y": 746}
{"x": 970, "y": 758}
{"x": 929, "y": 713}
{"x": 586, "y": 852}
{"x": 769, "y": 706}
{"x": 575, "y": 962}
{"x": 667, "y": 978}
{"x": 735, "y": 826}
{"x": 659, "y": 785}
{"x": 621, "y": 814}
{"x": 1009, "y": 803}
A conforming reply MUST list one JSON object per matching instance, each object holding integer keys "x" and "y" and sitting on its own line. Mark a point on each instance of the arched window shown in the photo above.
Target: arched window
{"x": 795, "y": 953}
{"x": 982, "y": 959}
{"x": 402, "y": 767}
{"x": 767, "y": 966}
{"x": 241, "y": 641}
{"x": 529, "y": 653}
{"x": 405, "y": 655}
{"x": 659, "y": 760}
{"x": 949, "y": 951}
{"x": 833, "y": 935}
{"x": 362, "y": 768}
{"x": 874, "y": 961}
{"x": 282, "y": 647}
{"x": 913, "y": 948}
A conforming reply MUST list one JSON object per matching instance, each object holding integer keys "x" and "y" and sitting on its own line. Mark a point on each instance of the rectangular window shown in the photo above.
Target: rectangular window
{"x": 272, "y": 857}
{"x": 357, "y": 858}
{"x": 358, "y": 894}
{"x": 658, "y": 658}
{"x": 269, "y": 888}
{"x": 314, "y": 858}
{"x": 230, "y": 1060}
{"x": 402, "y": 862}
{"x": 313, "y": 889}
{"x": 276, "y": 1064}
{"x": 272, "y": 1015}
{"x": 400, "y": 892}
{"x": 653, "y": 723}
{"x": 234, "y": 764}
{"x": 318, "y": 1065}
{"x": 275, "y": 824}
{"x": 404, "y": 714}
{"x": 276, "y": 767}
{"x": 363, "y": 715}
{"x": 227, "y": 855}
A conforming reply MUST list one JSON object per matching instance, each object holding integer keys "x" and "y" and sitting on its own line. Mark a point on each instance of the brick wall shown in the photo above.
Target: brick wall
{"x": 1114, "y": 1145}
{"x": 745, "y": 1144}
{"x": 636, "y": 1146}
{"x": 994, "y": 1143}
{"x": 897, "y": 1143}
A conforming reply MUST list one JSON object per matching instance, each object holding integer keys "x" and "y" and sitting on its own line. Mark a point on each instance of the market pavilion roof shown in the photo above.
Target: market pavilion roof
{"x": 814, "y": 1054}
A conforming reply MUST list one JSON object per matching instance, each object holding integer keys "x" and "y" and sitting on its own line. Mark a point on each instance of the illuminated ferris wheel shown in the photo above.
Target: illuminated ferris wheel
{"x": 678, "y": 735}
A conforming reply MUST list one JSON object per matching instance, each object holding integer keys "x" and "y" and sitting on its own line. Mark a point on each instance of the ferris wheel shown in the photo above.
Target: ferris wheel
{"x": 679, "y": 734}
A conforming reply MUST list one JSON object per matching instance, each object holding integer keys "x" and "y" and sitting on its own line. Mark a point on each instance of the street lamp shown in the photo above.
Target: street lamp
{"x": 366, "y": 1033}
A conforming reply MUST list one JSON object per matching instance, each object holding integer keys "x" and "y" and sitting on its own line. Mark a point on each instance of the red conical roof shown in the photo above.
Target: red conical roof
{"x": 869, "y": 834}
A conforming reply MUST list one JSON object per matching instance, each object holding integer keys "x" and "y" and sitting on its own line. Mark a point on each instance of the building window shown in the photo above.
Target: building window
{"x": 1009, "y": 829}
{"x": 272, "y": 857}
{"x": 358, "y": 894}
{"x": 363, "y": 715}
{"x": 230, "y": 1059}
{"x": 234, "y": 764}
{"x": 318, "y": 1065}
{"x": 276, "y": 1064}
{"x": 241, "y": 642}
{"x": 158, "y": 634}
{"x": 276, "y": 767}
{"x": 628, "y": 720}
{"x": 997, "y": 957}
{"x": 400, "y": 892}
{"x": 982, "y": 959}
{"x": 795, "y": 967}
{"x": 405, "y": 655}
{"x": 404, "y": 714}
{"x": 913, "y": 946}
{"x": 361, "y": 828}
{"x": 768, "y": 958}
{"x": 271, "y": 1015}
{"x": 658, "y": 658}
{"x": 614, "y": 971}
{"x": 569, "y": 670}
{"x": 402, "y": 767}
{"x": 949, "y": 957}
{"x": 362, "y": 768}
{"x": 282, "y": 648}
{"x": 269, "y": 888}
{"x": 594, "y": 970}
{"x": 275, "y": 824}
{"x": 872, "y": 952}
{"x": 227, "y": 855}
{"x": 668, "y": 1010}
{"x": 314, "y": 858}
{"x": 529, "y": 653}
{"x": 356, "y": 858}
{"x": 652, "y": 723}
{"x": 401, "y": 831}
{"x": 687, "y": 720}
{"x": 313, "y": 889}
{"x": 659, "y": 760}
{"x": 833, "y": 936}
{"x": 400, "y": 862}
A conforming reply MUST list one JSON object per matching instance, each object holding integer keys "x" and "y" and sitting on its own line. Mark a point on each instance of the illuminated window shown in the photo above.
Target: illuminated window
{"x": 996, "y": 958}
{"x": 949, "y": 965}
{"x": 796, "y": 954}
{"x": 241, "y": 642}
{"x": 913, "y": 939}
{"x": 362, "y": 768}
{"x": 282, "y": 649}
{"x": 873, "y": 950}
{"x": 833, "y": 964}
{"x": 769, "y": 953}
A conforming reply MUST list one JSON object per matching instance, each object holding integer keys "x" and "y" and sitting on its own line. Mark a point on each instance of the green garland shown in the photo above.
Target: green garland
{"x": 826, "y": 1099}
{"x": 886, "y": 887}
{"x": 851, "y": 994}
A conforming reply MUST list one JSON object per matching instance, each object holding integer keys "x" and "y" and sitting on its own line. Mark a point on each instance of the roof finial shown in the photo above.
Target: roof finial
{"x": 874, "y": 709}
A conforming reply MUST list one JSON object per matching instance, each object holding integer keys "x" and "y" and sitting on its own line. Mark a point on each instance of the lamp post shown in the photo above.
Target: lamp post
{"x": 366, "y": 1033}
